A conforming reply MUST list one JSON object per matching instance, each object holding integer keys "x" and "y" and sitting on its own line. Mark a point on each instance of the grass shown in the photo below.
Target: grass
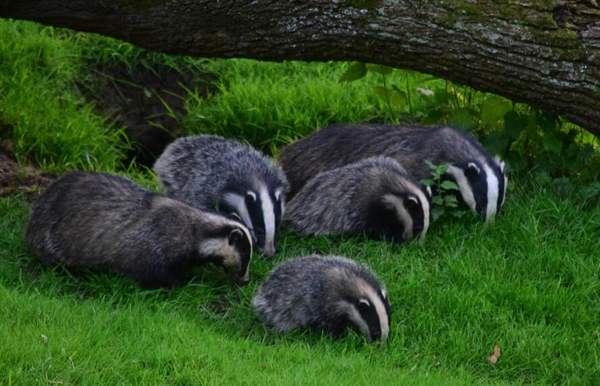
{"x": 532, "y": 289}
{"x": 40, "y": 108}
{"x": 529, "y": 283}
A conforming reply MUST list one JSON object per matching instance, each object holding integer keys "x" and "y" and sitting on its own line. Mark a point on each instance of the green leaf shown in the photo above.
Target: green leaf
{"x": 516, "y": 162}
{"x": 438, "y": 200}
{"x": 458, "y": 213}
{"x": 398, "y": 98}
{"x": 548, "y": 122}
{"x": 450, "y": 199}
{"x": 449, "y": 185}
{"x": 428, "y": 182}
{"x": 442, "y": 168}
{"x": 354, "y": 72}
{"x": 437, "y": 212}
{"x": 463, "y": 118}
{"x": 496, "y": 142}
{"x": 586, "y": 153}
{"x": 434, "y": 116}
{"x": 383, "y": 70}
{"x": 381, "y": 91}
{"x": 552, "y": 141}
{"x": 431, "y": 165}
{"x": 494, "y": 109}
{"x": 514, "y": 123}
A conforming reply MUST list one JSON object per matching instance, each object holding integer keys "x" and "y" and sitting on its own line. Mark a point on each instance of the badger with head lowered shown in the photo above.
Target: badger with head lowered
{"x": 374, "y": 196}
{"x": 208, "y": 171}
{"x": 324, "y": 293}
{"x": 103, "y": 222}
{"x": 480, "y": 178}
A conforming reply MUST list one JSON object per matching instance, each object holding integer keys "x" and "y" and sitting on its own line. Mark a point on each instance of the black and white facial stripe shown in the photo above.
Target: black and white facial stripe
{"x": 482, "y": 186}
{"x": 408, "y": 215}
{"x": 324, "y": 293}
{"x": 261, "y": 212}
{"x": 229, "y": 246}
{"x": 372, "y": 314}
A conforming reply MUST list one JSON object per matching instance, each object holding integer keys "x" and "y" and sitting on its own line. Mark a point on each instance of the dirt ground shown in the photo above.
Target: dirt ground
{"x": 148, "y": 102}
{"x": 15, "y": 178}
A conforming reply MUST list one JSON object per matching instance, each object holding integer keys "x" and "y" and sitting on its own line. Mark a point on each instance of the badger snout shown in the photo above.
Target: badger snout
{"x": 243, "y": 280}
{"x": 269, "y": 250}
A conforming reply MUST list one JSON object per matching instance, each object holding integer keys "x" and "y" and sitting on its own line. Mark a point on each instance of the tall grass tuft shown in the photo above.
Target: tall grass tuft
{"x": 47, "y": 118}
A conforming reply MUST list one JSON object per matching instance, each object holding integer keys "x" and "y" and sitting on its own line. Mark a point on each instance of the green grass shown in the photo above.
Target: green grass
{"x": 270, "y": 104}
{"x": 40, "y": 107}
{"x": 528, "y": 283}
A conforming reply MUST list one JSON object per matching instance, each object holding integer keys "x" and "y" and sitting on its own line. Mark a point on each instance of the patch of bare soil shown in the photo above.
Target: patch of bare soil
{"x": 15, "y": 178}
{"x": 148, "y": 102}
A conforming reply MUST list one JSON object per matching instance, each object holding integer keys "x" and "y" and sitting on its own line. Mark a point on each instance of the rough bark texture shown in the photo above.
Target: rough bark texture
{"x": 543, "y": 52}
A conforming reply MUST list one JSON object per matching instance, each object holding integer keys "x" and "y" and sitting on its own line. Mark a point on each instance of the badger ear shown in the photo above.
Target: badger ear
{"x": 235, "y": 236}
{"x": 427, "y": 190}
{"x": 472, "y": 170}
{"x": 383, "y": 293}
{"x": 502, "y": 166}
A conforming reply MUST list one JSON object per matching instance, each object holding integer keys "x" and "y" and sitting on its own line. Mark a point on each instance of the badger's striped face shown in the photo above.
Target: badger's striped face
{"x": 261, "y": 211}
{"x": 231, "y": 248}
{"x": 482, "y": 186}
{"x": 371, "y": 314}
{"x": 411, "y": 214}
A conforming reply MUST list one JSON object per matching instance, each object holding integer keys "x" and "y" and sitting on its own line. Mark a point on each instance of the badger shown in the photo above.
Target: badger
{"x": 480, "y": 178}
{"x": 104, "y": 222}
{"x": 375, "y": 196}
{"x": 324, "y": 293}
{"x": 208, "y": 171}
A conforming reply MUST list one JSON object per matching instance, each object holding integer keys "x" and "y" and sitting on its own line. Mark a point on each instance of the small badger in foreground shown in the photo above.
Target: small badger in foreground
{"x": 103, "y": 222}
{"x": 374, "y": 196}
{"x": 480, "y": 178}
{"x": 327, "y": 293}
{"x": 208, "y": 171}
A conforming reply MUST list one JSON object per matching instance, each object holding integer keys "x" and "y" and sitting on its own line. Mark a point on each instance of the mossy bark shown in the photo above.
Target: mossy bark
{"x": 543, "y": 52}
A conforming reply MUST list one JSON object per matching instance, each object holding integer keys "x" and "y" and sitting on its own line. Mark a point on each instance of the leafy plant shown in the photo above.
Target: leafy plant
{"x": 523, "y": 136}
{"x": 444, "y": 198}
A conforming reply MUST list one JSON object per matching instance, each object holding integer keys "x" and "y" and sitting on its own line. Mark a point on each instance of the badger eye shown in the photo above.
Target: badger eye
{"x": 363, "y": 306}
{"x": 251, "y": 196}
{"x": 411, "y": 202}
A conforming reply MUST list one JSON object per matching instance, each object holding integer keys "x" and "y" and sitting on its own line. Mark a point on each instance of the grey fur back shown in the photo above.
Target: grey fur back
{"x": 339, "y": 145}
{"x": 200, "y": 169}
{"x": 341, "y": 200}
{"x": 307, "y": 292}
{"x": 98, "y": 221}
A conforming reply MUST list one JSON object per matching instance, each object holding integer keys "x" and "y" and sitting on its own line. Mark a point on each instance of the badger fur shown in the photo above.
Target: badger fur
{"x": 208, "y": 171}
{"x": 103, "y": 222}
{"x": 374, "y": 196}
{"x": 327, "y": 293}
{"x": 480, "y": 178}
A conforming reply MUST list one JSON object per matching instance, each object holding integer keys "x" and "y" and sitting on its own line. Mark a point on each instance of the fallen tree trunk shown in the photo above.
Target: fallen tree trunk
{"x": 542, "y": 52}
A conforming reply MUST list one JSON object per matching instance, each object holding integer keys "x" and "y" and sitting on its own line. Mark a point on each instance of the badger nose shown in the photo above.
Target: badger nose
{"x": 269, "y": 251}
{"x": 244, "y": 279}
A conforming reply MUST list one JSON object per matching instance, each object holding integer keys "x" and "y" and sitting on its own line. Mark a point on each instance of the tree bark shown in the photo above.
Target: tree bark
{"x": 542, "y": 52}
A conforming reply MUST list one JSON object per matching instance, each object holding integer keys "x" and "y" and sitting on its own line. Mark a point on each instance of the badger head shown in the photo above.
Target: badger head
{"x": 482, "y": 185}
